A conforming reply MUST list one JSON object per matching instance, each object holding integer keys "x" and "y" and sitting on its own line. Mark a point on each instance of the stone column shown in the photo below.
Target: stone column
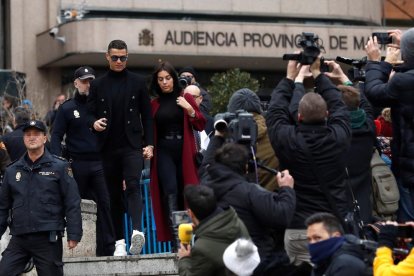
{"x": 87, "y": 246}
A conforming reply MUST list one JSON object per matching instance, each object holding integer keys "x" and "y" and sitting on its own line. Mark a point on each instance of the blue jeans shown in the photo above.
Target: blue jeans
{"x": 406, "y": 204}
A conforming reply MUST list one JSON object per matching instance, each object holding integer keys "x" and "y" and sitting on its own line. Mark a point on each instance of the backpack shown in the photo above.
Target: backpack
{"x": 384, "y": 188}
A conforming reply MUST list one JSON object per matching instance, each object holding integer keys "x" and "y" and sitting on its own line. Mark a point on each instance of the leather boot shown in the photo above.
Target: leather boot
{"x": 172, "y": 206}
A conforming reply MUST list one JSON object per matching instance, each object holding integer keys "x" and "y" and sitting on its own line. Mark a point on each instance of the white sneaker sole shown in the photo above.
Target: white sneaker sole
{"x": 137, "y": 242}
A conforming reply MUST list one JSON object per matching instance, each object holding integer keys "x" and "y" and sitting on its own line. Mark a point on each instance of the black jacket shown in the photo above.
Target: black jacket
{"x": 397, "y": 93}
{"x": 42, "y": 197}
{"x": 137, "y": 109}
{"x": 346, "y": 261}
{"x": 14, "y": 143}
{"x": 81, "y": 142}
{"x": 328, "y": 144}
{"x": 260, "y": 210}
{"x": 359, "y": 161}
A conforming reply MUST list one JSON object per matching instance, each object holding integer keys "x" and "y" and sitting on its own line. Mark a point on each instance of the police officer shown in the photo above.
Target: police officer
{"x": 39, "y": 191}
{"x": 82, "y": 151}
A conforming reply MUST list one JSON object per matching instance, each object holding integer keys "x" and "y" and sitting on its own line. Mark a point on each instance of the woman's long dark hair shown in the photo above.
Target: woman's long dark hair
{"x": 164, "y": 66}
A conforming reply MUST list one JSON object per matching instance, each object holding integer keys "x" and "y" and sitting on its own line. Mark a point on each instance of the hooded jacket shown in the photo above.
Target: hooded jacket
{"x": 213, "y": 235}
{"x": 260, "y": 210}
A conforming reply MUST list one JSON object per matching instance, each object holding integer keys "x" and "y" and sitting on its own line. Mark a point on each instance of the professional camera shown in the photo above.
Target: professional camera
{"x": 356, "y": 73}
{"x": 241, "y": 126}
{"x": 184, "y": 81}
{"x": 311, "y": 49}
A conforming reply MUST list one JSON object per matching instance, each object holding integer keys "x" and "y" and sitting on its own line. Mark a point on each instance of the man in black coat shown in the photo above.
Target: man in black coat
{"x": 397, "y": 92}
{"x": 332, "y": 253}
{"x": 14, "y": 140}
{"x": 39, "y": 198}
{"x": 260, "y": 210}
{"x": 85, "y": 158}
{"x": 120, "y": 114}
{"x": 314, "y": 150}
{"x": 362, "y": 143}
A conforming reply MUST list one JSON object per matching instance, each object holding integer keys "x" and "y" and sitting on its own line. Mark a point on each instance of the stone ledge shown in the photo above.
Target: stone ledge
{"x": 151, "y": 264}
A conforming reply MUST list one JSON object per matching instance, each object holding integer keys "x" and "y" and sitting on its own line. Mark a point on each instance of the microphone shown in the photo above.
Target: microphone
{"x": 185, "y": 233}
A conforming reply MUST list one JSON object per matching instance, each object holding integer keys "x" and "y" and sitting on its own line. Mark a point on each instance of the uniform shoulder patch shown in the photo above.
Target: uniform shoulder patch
{"x": 59, "y": 157}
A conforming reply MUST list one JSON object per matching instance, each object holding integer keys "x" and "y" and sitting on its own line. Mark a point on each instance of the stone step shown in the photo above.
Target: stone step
{"x": 151, "y": 264}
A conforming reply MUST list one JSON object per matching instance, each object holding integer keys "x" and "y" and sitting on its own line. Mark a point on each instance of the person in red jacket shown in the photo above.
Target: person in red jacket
{"x": 173, "y": 166}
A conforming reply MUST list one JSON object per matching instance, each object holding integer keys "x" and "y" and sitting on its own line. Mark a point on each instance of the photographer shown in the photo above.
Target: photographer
{"x": 261, "y": 211}
{"x": 358, "y": 160}
{"x": 398, "y": 93}
{"x": 246, "y": 99}
{"x": 384, "y": 262}
{"x": 314, "y": 150}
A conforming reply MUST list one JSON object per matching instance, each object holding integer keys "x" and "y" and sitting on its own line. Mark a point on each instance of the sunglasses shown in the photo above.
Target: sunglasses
{"x": 121, "y": 58}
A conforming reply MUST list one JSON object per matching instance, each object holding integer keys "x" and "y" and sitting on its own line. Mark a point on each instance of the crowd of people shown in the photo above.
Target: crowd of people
{"x": 276, "y": 204}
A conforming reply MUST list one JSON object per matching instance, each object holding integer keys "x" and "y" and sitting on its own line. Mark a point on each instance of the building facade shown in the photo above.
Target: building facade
{"x": 48, "y": 39}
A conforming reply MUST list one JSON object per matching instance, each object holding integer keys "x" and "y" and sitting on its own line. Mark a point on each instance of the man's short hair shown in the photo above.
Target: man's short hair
{"x": 313, "y": 108}
{"x": 329, "y": 221}
{"x": 117, "y": 44}
{"x": 350, "y": 96}
{"x": 234, "y": 156}
{"x": 21, "y": 115}
{"x": 200, "y": 200}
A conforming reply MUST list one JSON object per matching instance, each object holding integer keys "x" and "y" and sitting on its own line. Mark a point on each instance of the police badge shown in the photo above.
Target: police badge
{"x": 18, "y": 176}
{"x": 76, "y": 114}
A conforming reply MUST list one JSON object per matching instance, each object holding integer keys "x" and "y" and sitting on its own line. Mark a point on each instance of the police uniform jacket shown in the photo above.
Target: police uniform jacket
{"x": 81, "y": 142}
{"x": 40, "y": 197}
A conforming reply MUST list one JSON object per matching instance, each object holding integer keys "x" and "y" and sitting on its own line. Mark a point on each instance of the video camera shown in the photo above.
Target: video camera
{"x": 184, "y": 81}
{"x": 311, "y": 49}
{"x": 241, "y": 127}
{"x": 357, "y": 72}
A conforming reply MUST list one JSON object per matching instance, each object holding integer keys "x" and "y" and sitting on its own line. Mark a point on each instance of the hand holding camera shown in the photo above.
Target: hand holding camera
{"x": 336, "y": 72}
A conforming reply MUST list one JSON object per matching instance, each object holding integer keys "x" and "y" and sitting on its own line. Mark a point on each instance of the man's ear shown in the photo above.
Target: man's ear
{"x": 336, "y": 234}
{"x": 327, "y": 113}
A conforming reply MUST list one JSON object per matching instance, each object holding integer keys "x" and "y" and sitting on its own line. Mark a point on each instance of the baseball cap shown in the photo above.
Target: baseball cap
{"x": 84, "y": 72}
{"x": 35, "y": 124}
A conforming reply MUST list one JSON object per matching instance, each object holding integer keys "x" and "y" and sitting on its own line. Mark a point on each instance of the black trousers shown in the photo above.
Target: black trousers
{"x": 124, "y": 164}
{"x": 89, "y": 176}
{"x": 169, "y": 165}
{"x": 47, "y": 256}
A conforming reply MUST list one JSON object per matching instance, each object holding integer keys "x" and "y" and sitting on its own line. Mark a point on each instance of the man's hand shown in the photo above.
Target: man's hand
{"x": 286, "y": 180}
{"x": 72, "y": 244}
{"x": 303, "y": 73}
{"x": 396, "y": 38}
{"x": 393, "y": 55}
{"x": 184, "y": 251}
{"x": 148, "y": 152}
{"x": 336, "y": 72}
{"x": 315, "y": 67}
{"x": 372, "y": 49}
{"x": 100, "y": 125}
{"x": 293, "y": 68}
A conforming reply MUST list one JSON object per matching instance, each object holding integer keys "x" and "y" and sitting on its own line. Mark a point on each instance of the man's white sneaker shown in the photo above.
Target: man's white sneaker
{"x": 120, "y": 248}
{"x": 137, "y": 242}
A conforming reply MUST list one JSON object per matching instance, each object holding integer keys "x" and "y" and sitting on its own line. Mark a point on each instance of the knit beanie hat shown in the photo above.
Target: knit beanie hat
{"x": 407, "y": 47}
{"x": 241, "y": 257}
{"x": 188, "y": 69}
{"x": 244, "y": 99}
